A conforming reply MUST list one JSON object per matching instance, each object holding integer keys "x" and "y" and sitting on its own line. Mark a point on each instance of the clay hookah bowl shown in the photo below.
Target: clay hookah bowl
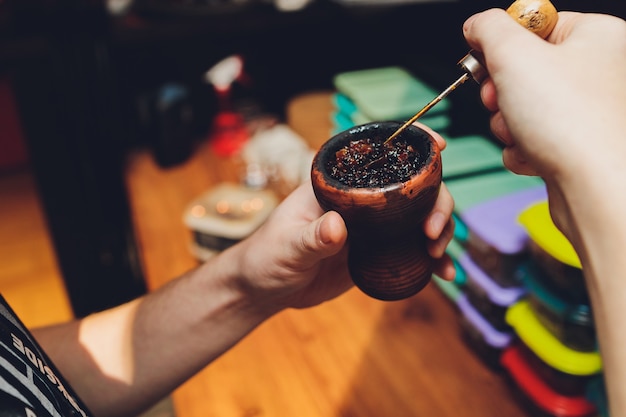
{"x": 387, "y": 255}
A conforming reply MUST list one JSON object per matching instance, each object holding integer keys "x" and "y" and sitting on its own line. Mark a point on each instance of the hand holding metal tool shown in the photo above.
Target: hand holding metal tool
{"x": 538, "y": 16}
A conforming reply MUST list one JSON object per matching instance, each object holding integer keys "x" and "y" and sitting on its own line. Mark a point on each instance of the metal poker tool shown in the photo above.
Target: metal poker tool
{"x": 473, "y": 69}
{"x": 538, "y": 16}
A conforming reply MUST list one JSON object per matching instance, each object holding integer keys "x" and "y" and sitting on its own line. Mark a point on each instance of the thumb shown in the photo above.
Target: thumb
{"x": 323, "y": 238}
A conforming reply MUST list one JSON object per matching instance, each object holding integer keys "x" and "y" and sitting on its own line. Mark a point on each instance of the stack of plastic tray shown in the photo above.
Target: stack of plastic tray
{"x": 522, "y": 304}
{"x": 381, "y": 94}
{"x": 552, "y": 378}
{"x": 465, "y": 157}
{"x": 488, "y": 199}
{"x": 555, "y": 345}
{"x": 495, "y": 253}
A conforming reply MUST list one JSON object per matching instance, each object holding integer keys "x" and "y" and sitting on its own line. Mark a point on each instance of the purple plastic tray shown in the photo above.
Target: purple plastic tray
{"x": 495, "y": 221}
{"x": 498, "y": 295}
{"x": 493, "y": 337}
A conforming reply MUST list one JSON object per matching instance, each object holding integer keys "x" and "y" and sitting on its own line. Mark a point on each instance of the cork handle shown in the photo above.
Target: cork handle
{"x": 538, "y": 16}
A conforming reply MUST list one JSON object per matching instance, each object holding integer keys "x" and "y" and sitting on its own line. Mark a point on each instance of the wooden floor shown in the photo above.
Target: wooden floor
{"x": 352, "y": 357}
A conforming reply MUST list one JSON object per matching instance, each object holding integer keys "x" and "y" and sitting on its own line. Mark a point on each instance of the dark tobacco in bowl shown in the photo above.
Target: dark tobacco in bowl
{"x": 366, "y": 163}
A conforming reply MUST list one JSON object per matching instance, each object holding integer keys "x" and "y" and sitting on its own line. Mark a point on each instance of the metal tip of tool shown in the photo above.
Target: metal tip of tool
{"x": 429, "y": 106}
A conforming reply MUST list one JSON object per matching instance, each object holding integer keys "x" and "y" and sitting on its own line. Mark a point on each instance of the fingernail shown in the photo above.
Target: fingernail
{"x": 450, "y": 272}
{"x": 469, "y": 22}
{"x": 437, "y": 222}
{"x": 324, "y": 235}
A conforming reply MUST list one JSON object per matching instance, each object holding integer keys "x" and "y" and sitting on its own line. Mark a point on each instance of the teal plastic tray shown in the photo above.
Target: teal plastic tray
{"x": 470, "y": 191}
{"x": 469, "y": 155}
